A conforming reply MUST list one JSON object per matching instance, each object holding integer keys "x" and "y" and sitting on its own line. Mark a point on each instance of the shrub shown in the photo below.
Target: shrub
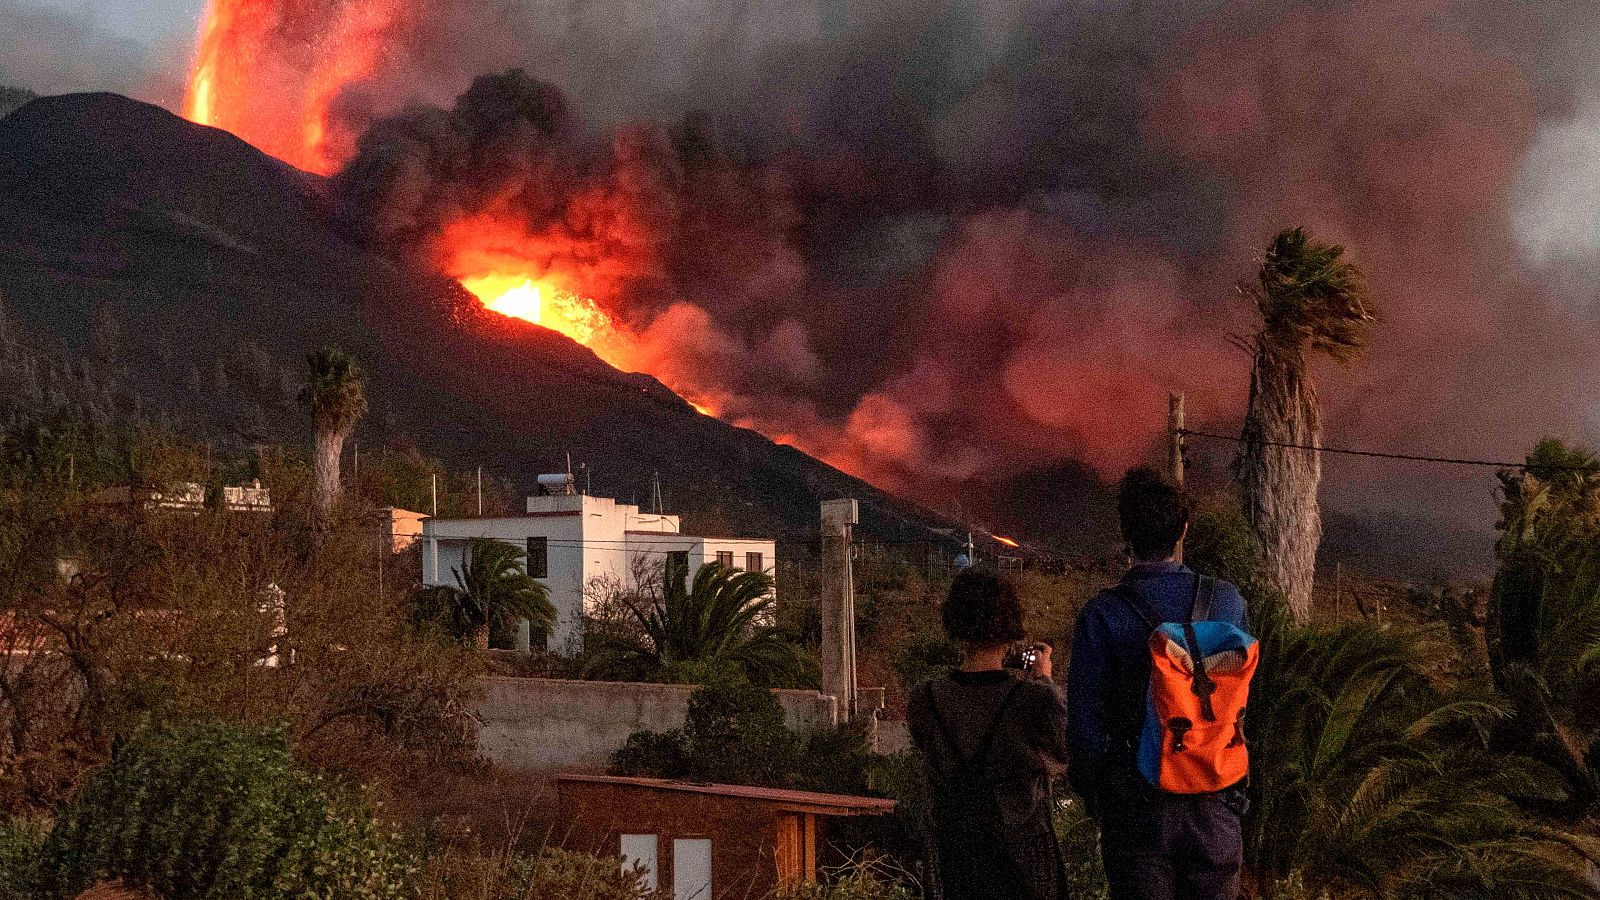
{"x": 863, "y": 878}
{"x": 564, "y": 874}
{"x": 733, "y": 733}
{"x": 19, "y": 857}
{"x": 217, "y": 811}
{"x": 1080, "y": 850}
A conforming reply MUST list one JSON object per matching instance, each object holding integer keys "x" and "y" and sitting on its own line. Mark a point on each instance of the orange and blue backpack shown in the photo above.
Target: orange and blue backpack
{"x": 1192, "y": 740}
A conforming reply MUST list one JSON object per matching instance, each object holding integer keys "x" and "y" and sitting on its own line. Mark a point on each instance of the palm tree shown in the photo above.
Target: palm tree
{"x": 1543, "y": 630}
{"x": 337, "y": 399}
{"x": 713, "y": 626}
{"x": 492, "y": 589}
{"x": 1311, "y": 300}
{"x": 1371, "y": 776}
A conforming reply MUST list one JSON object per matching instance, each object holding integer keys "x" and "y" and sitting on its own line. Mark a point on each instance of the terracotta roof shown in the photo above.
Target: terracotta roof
{"x": 791, "y": 801}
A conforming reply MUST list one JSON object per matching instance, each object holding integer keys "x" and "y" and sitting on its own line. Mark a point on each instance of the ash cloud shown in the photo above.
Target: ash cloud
{"x": 51, "y": 51}
{"x": 938, "y": 241}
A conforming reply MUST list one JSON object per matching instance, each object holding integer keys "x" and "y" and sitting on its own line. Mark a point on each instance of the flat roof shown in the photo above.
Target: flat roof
{"x": 525, "y": 515}
{"x": 702, "y": 537}
{"x": 792, "y": 801}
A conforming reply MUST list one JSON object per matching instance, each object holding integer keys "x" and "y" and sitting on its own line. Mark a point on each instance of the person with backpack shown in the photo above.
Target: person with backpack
{"x": 1157, "y": 690}
{"x": 991, "y": 738}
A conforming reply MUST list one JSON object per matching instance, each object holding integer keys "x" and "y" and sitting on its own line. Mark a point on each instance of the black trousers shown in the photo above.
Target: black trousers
{"x": 1165, "y": 847}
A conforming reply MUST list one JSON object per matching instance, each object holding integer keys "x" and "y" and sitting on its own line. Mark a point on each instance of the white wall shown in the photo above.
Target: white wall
{"x": 589, "y": 539}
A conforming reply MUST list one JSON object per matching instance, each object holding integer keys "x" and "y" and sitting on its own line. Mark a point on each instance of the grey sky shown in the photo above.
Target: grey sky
{"x": 152, "y": 22}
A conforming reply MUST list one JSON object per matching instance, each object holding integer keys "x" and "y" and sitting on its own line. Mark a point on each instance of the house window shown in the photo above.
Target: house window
{"x": 754, "y": 563}
{"x": 677, "y": 571}
{"x": 539, "y": 557}
{"x": 639, "y": 854}
{"x": 691, "y": 869}
{"x": 725, "y": 558}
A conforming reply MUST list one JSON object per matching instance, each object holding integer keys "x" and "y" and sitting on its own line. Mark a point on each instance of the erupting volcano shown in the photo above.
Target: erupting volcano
{"x": 274, "y": 73}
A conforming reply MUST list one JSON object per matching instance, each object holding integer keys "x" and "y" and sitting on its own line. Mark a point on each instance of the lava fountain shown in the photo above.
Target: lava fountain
{"x": 270, "y": 71}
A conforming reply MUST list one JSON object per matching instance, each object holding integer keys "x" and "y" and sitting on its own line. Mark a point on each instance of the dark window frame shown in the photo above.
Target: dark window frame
{"x": 538, "y": 562}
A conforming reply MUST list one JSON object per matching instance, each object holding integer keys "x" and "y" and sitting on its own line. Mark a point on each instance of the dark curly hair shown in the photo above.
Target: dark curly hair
{"x": 983, "y": 608}
{"x": 1153, "y": 513}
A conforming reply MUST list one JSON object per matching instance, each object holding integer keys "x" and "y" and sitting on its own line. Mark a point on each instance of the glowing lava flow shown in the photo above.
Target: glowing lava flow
{"x": 576, "y": 317}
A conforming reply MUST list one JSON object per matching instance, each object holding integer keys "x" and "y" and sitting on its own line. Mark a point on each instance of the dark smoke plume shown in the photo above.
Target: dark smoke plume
{"x": 938, "y": 242}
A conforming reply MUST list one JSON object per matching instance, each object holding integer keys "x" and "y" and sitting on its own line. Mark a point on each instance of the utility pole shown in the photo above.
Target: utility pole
{"x": 1175, "y": 438}
{"x": 839, "y": 518}
{"x": 1338, "y": 589}
{"x": 434, "y": 489}
{"x": 480, "y": 491}
{"x": 1175, "y": 449}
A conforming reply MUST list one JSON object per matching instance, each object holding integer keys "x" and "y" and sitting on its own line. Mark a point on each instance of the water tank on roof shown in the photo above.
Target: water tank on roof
{"x": 561, "y": 483}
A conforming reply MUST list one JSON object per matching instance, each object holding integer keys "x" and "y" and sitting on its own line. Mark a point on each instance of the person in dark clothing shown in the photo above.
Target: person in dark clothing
{"x": 991, "y": 739}
{"x": 1155, "y": 845}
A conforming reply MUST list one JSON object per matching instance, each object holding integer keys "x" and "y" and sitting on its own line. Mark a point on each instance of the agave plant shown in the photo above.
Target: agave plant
{"x": 493, "y": 588}
{"x": 714, "y": 625}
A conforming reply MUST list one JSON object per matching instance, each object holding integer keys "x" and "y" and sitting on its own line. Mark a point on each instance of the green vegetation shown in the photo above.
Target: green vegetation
{"x": 491, "y": 595}
{"x": 215, "y": 811}
{"x": 549, "y": 873}
{"x": 710, "y": 629}
{"x": 1373, "y": 773}
{"x": 863, "y": 878}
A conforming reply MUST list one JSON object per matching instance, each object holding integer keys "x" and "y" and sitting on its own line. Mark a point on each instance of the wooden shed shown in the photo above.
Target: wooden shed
{"x": 704, "y": 841}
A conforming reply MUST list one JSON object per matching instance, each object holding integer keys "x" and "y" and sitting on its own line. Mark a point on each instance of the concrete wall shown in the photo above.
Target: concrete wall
{"x": 533, "y": 724}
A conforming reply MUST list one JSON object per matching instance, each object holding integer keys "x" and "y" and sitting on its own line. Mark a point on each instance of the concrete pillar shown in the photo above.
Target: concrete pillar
{"x": 839, "y": 517}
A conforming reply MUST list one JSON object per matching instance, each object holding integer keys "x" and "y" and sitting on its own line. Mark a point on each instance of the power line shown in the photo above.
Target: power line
{"x": 1409, "y": 457}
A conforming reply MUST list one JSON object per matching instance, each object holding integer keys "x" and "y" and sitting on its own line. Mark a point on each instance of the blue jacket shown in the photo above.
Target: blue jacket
{"x": 1108, "y": 679}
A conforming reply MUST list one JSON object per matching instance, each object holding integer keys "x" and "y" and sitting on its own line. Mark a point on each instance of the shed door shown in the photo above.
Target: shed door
{"x": 639, "y": 850}
{"x": 691, "y": 869}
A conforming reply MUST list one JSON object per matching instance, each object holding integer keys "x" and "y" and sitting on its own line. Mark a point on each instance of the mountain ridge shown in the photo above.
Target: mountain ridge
{"x": 180, "y": 252}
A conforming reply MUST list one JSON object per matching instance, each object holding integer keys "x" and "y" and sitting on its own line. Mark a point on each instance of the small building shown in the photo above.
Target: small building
{"x": 184, "y": 497}
{"x": 704, "y": 841}
{"x": 578, "y": 545}
{"x": 401, "y": 527}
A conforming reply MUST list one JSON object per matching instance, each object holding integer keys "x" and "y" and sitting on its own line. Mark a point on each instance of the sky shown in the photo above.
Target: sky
{"x": 154, "y": 23}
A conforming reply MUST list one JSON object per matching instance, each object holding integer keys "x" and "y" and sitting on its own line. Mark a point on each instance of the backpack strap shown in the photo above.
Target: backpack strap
{"x": 1142, "y": 607}
{"x": 978, "y": 758}
{"x": 1203, "y": 686}
{"x": 1205, "y": 595}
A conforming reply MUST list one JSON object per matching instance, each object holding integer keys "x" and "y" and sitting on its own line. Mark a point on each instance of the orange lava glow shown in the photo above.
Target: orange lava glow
{"x": 273, "y": 71}
{"x": 521, "y": 297}
{"x": 244, "y": 81}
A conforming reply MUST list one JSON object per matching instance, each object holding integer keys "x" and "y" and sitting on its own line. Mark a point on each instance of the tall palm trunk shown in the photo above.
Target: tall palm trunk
{"x": 326, "y": 484}
{"x": 1280, "y": 483}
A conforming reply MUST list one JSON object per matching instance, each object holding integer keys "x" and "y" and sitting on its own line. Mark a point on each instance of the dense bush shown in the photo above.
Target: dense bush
{"x": 863, "y": 878}
{"x": 1080, "y": 850}
{"x": 549, "y": 874}
{"x": 733, "y": 733}
{"x": 19, "y": 856}
{"x": 219, "y": 812}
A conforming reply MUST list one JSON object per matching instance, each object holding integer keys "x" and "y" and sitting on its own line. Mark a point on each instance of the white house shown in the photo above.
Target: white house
{"x": 574, "y": 541}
